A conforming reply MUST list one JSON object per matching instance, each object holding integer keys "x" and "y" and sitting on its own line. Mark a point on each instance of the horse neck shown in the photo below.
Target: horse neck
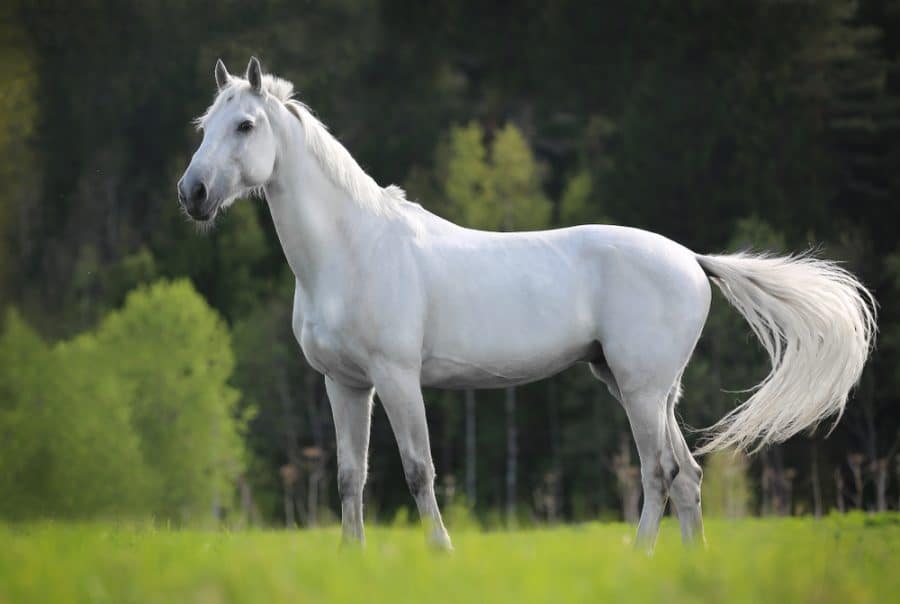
{"x": 317, "y": 222}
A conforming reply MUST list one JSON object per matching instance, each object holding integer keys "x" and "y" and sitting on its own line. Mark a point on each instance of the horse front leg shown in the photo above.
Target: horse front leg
{"x": 352, "y": 411}
{"x": 400, "y": 391}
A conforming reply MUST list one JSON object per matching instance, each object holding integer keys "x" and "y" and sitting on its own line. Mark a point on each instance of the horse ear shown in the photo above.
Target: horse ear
{"x": 254, "y": 75}
{"x": 222, "y": 75}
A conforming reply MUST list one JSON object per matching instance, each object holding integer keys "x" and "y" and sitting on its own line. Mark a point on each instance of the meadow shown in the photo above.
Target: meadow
{"x": 852, "y": 558}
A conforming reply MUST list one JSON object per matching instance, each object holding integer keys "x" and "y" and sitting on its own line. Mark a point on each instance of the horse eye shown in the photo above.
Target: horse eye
{"x": 245, "y": 126}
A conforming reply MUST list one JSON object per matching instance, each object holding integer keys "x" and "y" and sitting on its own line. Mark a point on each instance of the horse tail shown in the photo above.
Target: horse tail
{"x": 816, "y": 322}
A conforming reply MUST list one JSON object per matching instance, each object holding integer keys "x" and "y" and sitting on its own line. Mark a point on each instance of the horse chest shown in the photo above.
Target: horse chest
{"x": 332, "y": 352}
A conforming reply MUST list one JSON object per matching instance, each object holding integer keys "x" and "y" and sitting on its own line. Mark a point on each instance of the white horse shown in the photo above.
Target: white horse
{"x": 390, "y": 298}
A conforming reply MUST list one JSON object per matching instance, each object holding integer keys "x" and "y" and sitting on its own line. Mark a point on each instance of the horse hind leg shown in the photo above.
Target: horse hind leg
{"x": 685, "y": 489}
{"x": 646, "y": 410}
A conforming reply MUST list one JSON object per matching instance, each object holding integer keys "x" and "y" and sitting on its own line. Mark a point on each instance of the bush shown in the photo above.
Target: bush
{"x": 726, "y": 488}
{"x": 133, "y": 419}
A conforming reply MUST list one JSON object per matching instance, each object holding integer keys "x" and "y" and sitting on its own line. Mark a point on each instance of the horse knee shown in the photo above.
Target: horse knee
{"x": 350, "y": 482}
{"x": 419, "y": 476}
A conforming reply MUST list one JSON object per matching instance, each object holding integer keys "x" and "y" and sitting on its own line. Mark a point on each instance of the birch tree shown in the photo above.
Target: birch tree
{"x": 495, "y": 187}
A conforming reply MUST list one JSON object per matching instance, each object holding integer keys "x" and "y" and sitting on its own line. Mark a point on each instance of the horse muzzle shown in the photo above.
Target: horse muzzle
{"x": 194, "y": 198}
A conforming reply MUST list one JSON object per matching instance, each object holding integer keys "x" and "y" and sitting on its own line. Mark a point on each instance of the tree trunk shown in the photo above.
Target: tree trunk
{"x": 839, "y": 490}
{"x": 512, "y": 453}
{"x": 780, "y": 487}
{"x": 289, "y": 475}
{"x": 766, "y": 486}
{"x": 881, "y": 481}
{"x": 315, "y": 463}
{"x": 788, "y": 491}
{"x": 553, "y": 478}
{"x": 448, "y": 427}
{"x": 292, "y": 449}
{"x": 628, "y": 482}
{"x": 855, "y": 461}
{"x": 816, "y": 485}
{"x": 289, "y": 519}
{"x": 312, "y": 497}
{"x": 471, "y": 450}
{"x": 251, "y": 512}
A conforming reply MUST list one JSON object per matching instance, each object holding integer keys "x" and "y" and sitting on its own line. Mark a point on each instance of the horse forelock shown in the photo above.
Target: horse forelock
{"x": 279, "y": 88}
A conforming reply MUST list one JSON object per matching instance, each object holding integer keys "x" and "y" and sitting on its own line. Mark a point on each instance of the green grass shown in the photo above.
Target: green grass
{"x": 839, "y": 559}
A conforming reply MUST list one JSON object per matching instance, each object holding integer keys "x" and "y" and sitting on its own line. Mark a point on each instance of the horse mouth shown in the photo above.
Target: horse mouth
{"x": 201, "y": 216}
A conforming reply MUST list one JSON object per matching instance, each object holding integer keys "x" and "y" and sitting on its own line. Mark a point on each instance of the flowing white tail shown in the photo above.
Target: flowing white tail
{"x": 816, "y": 321}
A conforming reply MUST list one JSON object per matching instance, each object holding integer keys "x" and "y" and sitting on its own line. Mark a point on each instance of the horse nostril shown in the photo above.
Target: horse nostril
{"x": 198, "y": 194}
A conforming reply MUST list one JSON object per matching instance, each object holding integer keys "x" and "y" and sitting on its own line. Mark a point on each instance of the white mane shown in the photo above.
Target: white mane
{"x": 340, "y": 166}
{"x": 334, "y": 159}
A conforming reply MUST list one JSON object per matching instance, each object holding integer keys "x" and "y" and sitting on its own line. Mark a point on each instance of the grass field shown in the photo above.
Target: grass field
{"x": 839, "y": 559}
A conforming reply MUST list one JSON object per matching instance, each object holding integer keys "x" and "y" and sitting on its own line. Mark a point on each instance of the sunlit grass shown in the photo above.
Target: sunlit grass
{"x": 839, "y": 559}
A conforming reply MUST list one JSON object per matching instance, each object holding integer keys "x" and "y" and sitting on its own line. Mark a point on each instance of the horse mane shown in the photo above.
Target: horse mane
{"x": 334, "y": 159}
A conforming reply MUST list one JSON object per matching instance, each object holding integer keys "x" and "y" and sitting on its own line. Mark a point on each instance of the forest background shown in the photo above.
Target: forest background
{"x": 148, "y": 370}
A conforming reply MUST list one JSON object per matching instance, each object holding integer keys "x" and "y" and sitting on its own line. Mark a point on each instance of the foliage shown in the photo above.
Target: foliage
{"x": 69, "y": 448}
{"x": 770, "y": 125}
{"x": 840, "y": 559}
{"x": 726, "y": 486}
{"x": 18, "y": 115}
{"x": 176, "y": 355}
{"x": 135, "y": 418}
{"x": 575, "y": 204}
{"x": 495, "y": 189}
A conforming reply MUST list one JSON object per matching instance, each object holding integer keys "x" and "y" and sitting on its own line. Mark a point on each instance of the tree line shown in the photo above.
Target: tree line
{"x": 148, "y": 369}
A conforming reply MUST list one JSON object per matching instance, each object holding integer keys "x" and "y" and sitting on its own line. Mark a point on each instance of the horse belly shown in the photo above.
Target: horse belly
{"x": 491, "y": 345}
{"x": 458, "y": 373}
